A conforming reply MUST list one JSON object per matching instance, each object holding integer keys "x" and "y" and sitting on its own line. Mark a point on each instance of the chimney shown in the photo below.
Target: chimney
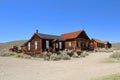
{"x": 36, "y": 30}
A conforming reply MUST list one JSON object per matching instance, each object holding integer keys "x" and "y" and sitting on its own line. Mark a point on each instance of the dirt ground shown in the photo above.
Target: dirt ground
{"x": 75, "y": 69}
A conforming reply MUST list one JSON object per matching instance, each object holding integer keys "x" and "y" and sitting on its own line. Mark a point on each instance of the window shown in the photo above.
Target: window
{"x": 47, "y": 44}
{"x": 97, "y": 44}
{"x": 56, "y": 45}
{"x": 87, "y": 44}
{"x": 70, "y": 44}
{"x": 36, "y": 45}
{"x": 29, "y": 46}
{"x": 78, "y": 44}
{"x": 60, "y": 45}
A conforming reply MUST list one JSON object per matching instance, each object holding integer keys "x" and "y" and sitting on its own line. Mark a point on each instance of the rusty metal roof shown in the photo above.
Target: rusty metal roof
{"x": 99, "y": 41}
{"x": 71, "y": 35}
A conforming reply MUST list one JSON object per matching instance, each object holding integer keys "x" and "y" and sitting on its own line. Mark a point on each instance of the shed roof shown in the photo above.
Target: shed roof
{"x": 99, "y": 41}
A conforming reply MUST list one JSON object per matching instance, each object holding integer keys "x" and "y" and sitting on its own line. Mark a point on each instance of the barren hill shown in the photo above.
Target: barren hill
{"x": 116, "y": 45}
{"x": 8, "y": 45}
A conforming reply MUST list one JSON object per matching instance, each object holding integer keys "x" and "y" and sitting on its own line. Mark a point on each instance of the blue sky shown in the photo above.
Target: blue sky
{"x": 20, "y": 18}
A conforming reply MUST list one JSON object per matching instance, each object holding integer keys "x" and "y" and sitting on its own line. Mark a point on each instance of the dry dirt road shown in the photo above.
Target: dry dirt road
{"x": 75, "y": 69}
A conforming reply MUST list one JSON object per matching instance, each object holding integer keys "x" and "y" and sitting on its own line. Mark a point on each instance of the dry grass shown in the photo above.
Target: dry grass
{"x": 115, "y": 55}
{"x": 113, "y": 58}
{"x": 24, "y": 56}
{"x": 110, "y": 77}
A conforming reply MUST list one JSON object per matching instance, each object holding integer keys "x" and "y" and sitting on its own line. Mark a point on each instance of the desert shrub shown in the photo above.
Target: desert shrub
{"x": 70, "y": 53}
{"x": 46, "y": 55}
{"x": 62, "y": 55}
{"x": 84, "y": 54}
{"x": 115, "y": 55}
{"x": 55, "y": 57}
{"x": 75, "y": 55}
{"x": 79, "y": 53}
{"x": 21, "y": 55}
{"x": 65, "y": 57}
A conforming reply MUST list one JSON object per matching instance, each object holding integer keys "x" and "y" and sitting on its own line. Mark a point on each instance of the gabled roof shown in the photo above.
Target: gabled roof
{"x": 72, "y": 35}
{"x": 47, "y": 36}
{"x": 99, "y": 41}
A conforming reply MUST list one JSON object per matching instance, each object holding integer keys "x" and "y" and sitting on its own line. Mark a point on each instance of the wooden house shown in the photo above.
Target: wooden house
{"x": 78, "y": 40}
{"x": 107, "y": 44}
{"x": 95, "y": 44}
{"x": 40, "y": 42}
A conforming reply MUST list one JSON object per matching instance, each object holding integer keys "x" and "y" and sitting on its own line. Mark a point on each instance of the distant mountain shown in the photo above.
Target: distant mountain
{"x": 8, "y": 45}
{"x": 116, "y": 45}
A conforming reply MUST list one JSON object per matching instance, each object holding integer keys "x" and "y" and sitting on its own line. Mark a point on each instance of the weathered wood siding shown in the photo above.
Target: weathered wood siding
{"x": 39, "y": 44}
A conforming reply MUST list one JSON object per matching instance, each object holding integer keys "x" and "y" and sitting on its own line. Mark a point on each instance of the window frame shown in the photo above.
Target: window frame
{"x": 47, "y": 44}
{"x": 29, "y": 45}
{"x": 36, "y": 45}
{"x": 69, "y": 44}
{"x": 60, "y": 45}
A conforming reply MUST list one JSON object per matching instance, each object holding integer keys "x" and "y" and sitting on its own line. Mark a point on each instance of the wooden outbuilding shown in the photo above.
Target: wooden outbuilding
{"x": 96, "y": 44}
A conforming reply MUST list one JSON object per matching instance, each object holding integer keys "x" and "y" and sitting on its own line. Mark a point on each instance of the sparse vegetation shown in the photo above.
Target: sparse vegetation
{"x": 84, "y": 54}
{"x": 22, "y": 55}
{"x": 55, "y": 57}
{"x": 75, "y": 55}
{"x": 103, "y": 50}
{"x": 6, "y": 53}
{"x": 115, "y": 55}
{"x": 64, "y": 55}
{"x": 113, "y": 58}
{"x": 110, "y": 77}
